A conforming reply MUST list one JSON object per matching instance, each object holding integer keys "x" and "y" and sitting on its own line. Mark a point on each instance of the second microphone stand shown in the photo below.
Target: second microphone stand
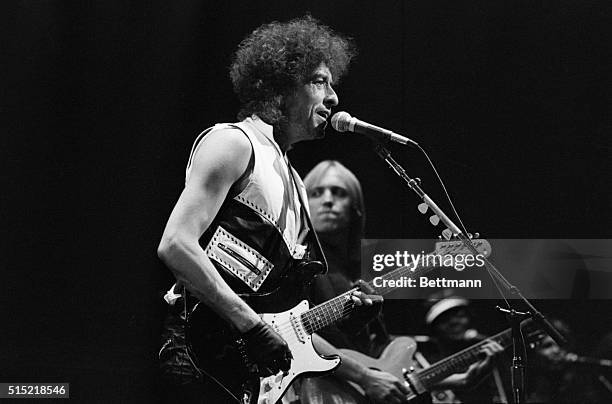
{"x": 515, "y": 317}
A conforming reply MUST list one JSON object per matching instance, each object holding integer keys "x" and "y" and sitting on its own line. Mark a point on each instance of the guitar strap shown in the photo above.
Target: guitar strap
{"x": 319, "y": 254}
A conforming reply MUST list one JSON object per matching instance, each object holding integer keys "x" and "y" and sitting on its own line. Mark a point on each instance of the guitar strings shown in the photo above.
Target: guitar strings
{"x": 321, "y": 308}
{"x": 464, "y": 355}
{"x": 322, "y": 311}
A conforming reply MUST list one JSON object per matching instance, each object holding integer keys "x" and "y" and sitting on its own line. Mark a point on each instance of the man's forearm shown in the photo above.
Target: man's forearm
{"x": 194, "y": 269}
{"x": 455, "y": 381}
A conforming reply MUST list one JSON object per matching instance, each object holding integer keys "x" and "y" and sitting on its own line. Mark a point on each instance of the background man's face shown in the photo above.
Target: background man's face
{"x": 452, "y": 324}
{"x": 310, "y": 106}
{"x": 330, "y": 204}
{"x": 549, "y": 355}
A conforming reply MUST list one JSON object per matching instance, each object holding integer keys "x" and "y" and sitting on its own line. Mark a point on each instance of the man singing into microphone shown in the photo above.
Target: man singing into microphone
{"x": 240, "y": 189}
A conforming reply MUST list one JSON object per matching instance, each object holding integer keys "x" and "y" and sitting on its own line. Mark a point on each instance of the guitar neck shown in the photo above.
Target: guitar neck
{"x": 328, "y": 313}
{"x": 458, "y": 361}
{"x": 341, "y": 306}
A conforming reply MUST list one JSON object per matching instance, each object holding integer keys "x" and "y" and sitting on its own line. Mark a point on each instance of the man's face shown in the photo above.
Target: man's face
{"x": 330, "y": 204}
{"x": 452, "y": 324}
{"x": 549, "y": 355}
{"x": 310, "y": 105}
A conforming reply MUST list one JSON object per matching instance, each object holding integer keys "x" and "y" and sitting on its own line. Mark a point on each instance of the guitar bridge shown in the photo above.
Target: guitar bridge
{"x": 415, "y": 384}
{"x": 298, "y": 328}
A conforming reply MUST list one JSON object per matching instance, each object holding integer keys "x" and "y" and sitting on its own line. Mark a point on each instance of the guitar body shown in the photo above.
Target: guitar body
{"x": 397, "y": 358}
{"x": 220, "y": 353}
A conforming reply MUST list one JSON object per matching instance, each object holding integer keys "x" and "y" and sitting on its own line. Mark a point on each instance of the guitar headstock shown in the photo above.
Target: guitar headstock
{"x": 456, "y": 247}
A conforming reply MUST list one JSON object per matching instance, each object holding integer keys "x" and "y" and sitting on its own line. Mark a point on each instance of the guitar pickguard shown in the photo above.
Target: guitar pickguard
{"x": 305, "y": 359}
{"x": 218, "y": 351}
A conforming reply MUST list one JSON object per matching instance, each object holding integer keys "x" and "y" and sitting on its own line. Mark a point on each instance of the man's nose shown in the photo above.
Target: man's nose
{"x": 328, "y": 198}
{"x": 331, "y": 98}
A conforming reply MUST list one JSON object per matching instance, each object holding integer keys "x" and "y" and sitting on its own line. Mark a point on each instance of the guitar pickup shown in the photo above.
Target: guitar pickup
{"x": 298, "y": 327}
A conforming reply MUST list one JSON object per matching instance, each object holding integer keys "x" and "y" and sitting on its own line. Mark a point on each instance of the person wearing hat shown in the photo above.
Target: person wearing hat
{"x": 450, "y": 324}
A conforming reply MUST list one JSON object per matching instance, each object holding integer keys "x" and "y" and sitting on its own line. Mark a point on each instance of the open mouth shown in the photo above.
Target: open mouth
{"x": 323, "y": 114}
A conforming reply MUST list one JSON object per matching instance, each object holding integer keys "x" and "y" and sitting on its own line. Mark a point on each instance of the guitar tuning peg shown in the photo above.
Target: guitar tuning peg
{"x": 447, "y": 234}
{"x": 470, "y": 236}
{"x": 476, "y": 235}
{"x": 422, "y": 207}
{"x": 434, "y": 220}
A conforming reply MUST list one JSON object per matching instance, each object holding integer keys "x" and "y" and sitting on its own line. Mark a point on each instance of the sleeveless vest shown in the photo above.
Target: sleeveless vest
{"x": 256, "y": 234}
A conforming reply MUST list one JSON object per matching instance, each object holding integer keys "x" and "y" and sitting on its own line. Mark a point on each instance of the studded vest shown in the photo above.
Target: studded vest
{"x": 256, "y": 234}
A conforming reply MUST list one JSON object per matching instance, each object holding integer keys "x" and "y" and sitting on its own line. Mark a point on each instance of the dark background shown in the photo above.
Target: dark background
{"x": 102, "y": 100}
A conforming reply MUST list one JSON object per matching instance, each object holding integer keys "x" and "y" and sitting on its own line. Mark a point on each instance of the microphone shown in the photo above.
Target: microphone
{"x": 585, "y": 360}
{"x": 343, "y": 122}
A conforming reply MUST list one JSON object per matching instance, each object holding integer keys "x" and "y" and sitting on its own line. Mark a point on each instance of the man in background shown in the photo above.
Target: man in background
{"x": 338, "y": 215}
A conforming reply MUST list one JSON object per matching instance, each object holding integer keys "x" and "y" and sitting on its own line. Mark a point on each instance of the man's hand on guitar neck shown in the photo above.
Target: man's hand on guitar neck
{"x": 368, "y": 307}
{"x": 476, "y": 371}
{"x": 360, "y": 298}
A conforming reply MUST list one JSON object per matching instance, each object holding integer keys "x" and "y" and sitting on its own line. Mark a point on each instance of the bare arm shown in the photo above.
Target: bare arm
{"x": 218, "y": 163}
{"x": 379, "y": 386}
{"x": 474, "y": 374}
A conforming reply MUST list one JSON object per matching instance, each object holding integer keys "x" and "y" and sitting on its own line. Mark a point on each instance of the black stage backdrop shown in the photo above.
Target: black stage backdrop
{"x": 102, "y": 100}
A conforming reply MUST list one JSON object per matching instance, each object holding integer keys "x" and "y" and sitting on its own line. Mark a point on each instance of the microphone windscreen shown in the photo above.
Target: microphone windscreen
{"x": 340, "y": 121}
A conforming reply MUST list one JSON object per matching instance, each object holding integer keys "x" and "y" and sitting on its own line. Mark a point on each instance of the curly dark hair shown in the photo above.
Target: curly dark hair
{"x": 277, "y": 57}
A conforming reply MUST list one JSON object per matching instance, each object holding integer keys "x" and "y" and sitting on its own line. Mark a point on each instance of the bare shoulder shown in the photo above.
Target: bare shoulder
{"x": 223, "y": 155}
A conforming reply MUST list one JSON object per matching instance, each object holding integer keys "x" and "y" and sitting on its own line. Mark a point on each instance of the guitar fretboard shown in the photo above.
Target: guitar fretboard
{"x": 327, "y": 313}
{"x": 459, "y": 361}
{"x": 341, "y": 306}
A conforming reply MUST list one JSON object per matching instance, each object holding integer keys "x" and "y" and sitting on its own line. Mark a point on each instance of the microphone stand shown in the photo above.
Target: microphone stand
{"x": 517, "y": 370}
{"x": 515, "y": 317}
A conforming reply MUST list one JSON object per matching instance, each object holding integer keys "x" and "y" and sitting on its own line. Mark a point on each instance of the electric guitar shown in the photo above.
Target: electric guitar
{"x": 397, "y": 359}
{"x": 220, "y": 352}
